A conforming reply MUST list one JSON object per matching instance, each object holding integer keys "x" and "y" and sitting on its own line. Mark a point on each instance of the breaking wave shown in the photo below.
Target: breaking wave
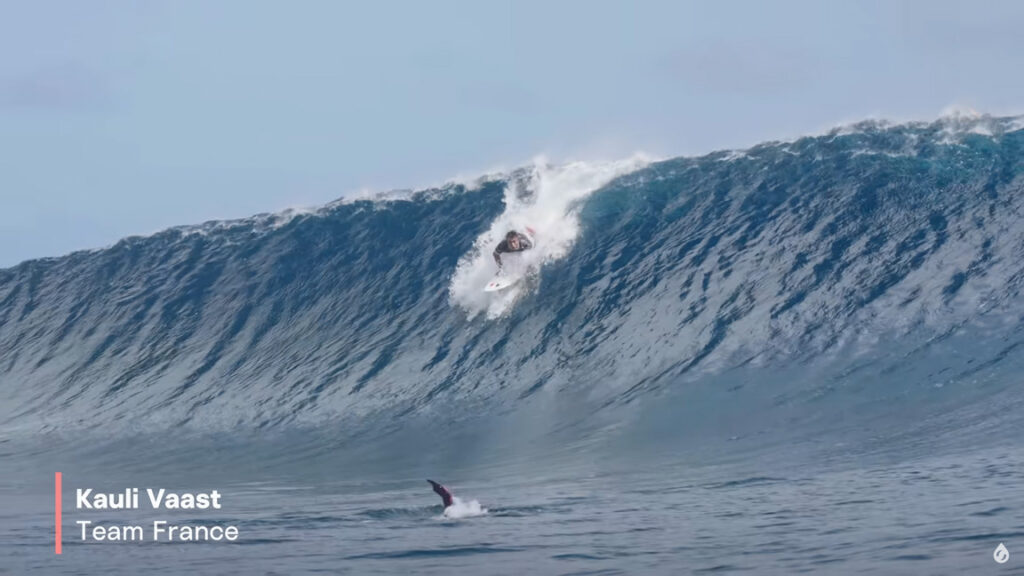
{"x": 866, "y": 278}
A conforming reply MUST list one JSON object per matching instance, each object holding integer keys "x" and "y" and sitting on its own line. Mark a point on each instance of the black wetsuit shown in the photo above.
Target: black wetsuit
{"x": 444, "y": 493}
{"x": 503, "y": 247}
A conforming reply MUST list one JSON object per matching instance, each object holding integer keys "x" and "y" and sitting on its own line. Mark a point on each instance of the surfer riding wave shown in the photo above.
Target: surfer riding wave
{"x": 513, "y": 242}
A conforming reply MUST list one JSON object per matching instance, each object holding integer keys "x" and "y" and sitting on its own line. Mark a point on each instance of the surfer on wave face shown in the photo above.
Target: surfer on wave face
{"x": 513, "y": 242}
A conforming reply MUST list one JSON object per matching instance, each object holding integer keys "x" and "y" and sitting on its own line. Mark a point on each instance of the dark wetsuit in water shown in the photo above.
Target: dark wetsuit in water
{"x": 503, "y": 247}
{"x": 446, "y": 496}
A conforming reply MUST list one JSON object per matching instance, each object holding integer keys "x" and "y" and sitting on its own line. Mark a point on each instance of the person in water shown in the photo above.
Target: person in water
{"x": 513, "y": 242}
{"x": 446, "y": 496}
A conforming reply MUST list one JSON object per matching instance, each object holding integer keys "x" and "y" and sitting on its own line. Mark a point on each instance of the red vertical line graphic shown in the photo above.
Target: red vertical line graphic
{"x": 57, "y": 510}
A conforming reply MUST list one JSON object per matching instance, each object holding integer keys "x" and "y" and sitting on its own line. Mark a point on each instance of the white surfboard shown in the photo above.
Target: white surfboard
{"x": 506, "y": 281}
{"x": 500, "y": 283}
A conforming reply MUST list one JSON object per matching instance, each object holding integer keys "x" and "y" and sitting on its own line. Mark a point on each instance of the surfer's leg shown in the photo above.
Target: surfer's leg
{"x": 444, "y": 493}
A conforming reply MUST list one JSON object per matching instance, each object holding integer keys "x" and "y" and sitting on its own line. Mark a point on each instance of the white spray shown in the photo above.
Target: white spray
{"x": 547, "y": 201}
{"x": 461, "y": 509}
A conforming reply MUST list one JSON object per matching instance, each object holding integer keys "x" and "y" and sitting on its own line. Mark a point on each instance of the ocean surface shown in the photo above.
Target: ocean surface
{"x": 805, "y": 356}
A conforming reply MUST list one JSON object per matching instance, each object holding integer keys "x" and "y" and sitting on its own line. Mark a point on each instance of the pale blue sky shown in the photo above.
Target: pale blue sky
{"x": 121, "y": 118}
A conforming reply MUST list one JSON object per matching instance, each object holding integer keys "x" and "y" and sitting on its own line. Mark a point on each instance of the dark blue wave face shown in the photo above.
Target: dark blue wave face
{"x": 836, "y": 283}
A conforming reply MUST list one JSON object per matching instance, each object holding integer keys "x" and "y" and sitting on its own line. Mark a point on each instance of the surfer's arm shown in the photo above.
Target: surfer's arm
{"x": 501, "y": 247}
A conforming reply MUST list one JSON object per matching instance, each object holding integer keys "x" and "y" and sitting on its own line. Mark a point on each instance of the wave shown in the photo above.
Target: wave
{"x": 822, "y": 282}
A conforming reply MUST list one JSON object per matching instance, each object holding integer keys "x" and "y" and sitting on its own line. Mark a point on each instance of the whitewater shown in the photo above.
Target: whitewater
{"x": 800, "y": 356}
{"x": 545, "y": 199}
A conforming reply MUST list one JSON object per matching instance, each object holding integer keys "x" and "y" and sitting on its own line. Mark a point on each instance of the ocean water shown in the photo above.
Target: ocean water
{"x": 800, "y": 357}
{"x": 931, "y": 516}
